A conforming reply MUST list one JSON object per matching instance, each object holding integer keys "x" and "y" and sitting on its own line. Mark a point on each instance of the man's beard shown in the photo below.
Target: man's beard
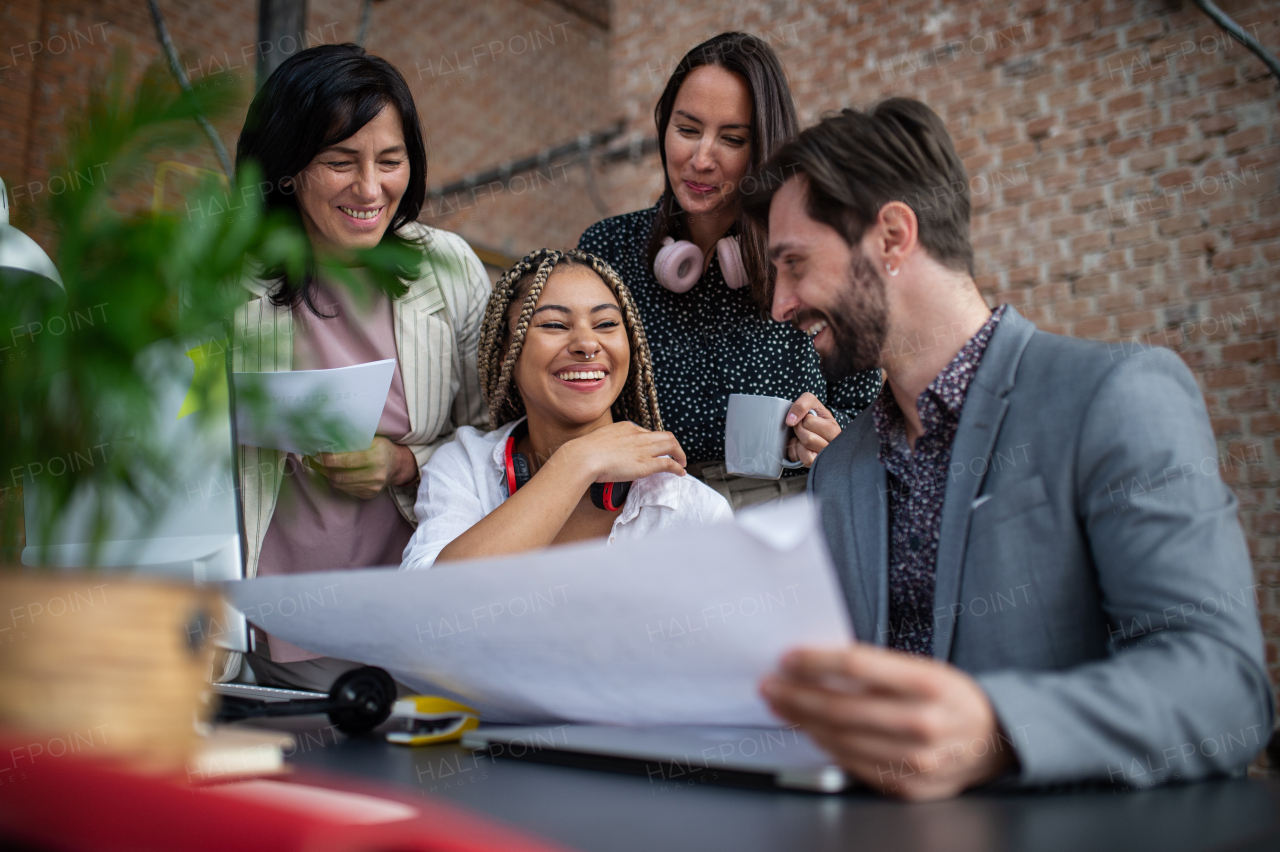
{"x": 859, "y": 322}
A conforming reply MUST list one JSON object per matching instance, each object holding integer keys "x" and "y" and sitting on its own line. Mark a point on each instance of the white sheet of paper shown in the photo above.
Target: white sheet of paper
{"x": 677, "y": 629}
{"x": 348, "y": 399}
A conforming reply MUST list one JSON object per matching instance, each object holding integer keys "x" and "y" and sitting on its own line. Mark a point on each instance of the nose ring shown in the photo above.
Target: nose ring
{"x": 591, "y": 356}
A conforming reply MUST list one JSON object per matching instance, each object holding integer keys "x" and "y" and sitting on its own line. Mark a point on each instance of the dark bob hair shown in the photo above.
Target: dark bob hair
{"x": 773, "y": 121}
{"x": 855, "y": 162}
{"x": 317, "y": 98}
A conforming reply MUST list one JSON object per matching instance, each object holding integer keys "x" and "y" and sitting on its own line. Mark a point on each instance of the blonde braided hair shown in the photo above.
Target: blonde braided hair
{"x": 638, "y": 401}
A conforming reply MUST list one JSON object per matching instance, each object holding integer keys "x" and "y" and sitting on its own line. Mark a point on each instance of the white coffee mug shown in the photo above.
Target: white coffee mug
{"x": 756, "y": 435}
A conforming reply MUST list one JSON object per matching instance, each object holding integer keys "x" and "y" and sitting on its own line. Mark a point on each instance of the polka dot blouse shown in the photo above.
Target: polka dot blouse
{"x": 713, "y": 341}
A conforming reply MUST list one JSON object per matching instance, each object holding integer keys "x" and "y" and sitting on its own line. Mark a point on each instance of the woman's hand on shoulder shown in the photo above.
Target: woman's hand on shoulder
{"x": 364, "y": 474}
{"x": 621, "y": 452}
{"x": 813, "y": 427}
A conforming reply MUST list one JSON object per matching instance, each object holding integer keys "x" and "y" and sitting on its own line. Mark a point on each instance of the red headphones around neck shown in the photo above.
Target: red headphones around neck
{"x": 608, "y": 496}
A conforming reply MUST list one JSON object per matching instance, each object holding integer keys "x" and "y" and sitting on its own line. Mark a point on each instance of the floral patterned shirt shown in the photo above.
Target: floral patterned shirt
{"x": 917, "y": 486}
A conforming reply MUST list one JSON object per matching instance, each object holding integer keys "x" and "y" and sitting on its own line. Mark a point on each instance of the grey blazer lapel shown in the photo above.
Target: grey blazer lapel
{"x": 870, "y": 612}
{"x": 984, "y": 410}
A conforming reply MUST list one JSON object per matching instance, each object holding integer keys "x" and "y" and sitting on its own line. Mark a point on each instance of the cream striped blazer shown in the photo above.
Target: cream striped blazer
{"x": 437, "y": 333}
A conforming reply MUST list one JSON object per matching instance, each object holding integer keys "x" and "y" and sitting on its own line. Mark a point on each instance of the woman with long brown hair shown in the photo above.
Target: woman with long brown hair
{"x": 700, "y": 273}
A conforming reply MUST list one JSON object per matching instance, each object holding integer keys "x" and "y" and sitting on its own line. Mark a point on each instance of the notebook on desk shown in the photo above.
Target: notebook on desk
{"x": 780, "y": 757}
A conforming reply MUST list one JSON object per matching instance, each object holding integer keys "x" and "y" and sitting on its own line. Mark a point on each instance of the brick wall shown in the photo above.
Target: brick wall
{"x": 19, "y": 25}
{"x": 1122, "y": 154}
{"x": 1122, "y": 158}
{"x": 493, "y": 79}
{"x": 497, "y": 80}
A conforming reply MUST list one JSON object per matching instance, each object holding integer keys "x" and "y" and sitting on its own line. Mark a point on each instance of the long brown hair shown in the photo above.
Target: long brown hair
{"x": 773, "y": 122}
{"x": 501, "y": 342}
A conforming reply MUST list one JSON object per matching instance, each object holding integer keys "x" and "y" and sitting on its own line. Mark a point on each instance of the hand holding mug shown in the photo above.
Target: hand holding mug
{"x": 813, "y": 426}
{"x": 766, "y": 434}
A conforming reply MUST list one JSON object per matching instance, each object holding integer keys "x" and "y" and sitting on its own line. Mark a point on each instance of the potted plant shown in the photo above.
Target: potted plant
{"x": 96, "y": 658}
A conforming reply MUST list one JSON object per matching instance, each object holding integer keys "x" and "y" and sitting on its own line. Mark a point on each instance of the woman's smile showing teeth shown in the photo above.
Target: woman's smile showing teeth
{"x": 581, "y": 375}
{"x": 583, "y": 378}
{"x": 360, "y": 214}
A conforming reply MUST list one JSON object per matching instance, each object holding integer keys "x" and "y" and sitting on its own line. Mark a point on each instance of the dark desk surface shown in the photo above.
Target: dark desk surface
{"x": 613, "y": 812}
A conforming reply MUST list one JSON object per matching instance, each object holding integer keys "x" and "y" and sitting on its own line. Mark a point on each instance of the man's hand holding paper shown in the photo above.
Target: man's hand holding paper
{"x": 909, "y": 726}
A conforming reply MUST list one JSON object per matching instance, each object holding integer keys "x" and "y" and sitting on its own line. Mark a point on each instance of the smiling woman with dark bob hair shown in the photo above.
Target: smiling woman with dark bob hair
{"x": 338, "y": 140}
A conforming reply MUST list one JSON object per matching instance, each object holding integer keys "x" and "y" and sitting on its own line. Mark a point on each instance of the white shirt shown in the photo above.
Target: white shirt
{"x": 465, "y": 480}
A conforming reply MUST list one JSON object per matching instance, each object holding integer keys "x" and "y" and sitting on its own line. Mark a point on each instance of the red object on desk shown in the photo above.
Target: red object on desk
{"x": 72, "y": 803}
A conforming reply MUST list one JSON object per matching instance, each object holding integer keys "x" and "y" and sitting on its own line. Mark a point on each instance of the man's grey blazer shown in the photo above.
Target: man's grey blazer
{"x": 1091, "y": 574}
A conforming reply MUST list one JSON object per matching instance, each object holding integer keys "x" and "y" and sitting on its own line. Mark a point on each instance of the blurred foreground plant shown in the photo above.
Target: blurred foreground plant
{"x": 72, "y": 385}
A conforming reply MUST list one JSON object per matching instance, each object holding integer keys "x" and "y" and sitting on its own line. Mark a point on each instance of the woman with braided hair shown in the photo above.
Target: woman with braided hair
{"x": 576, "y": 448}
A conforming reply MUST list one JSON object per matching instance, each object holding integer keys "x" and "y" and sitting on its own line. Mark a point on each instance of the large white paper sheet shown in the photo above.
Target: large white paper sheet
{"x": 677, "y": 629}
{"x": 308, "y": 411}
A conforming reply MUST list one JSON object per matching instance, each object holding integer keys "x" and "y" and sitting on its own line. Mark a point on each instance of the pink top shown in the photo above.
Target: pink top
{"x": 316, "y": 527}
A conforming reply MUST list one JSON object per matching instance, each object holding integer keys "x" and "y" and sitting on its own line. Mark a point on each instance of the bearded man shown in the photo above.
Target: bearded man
{"x": 1044, "y": 570}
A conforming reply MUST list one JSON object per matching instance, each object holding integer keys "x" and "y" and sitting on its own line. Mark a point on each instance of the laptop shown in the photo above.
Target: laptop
{"x": 197, "y": 535}
{"x": 770, "y": 757}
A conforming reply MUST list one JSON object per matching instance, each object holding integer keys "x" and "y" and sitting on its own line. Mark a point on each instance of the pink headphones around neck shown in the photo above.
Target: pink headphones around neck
{"x": 678, "y": 265}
